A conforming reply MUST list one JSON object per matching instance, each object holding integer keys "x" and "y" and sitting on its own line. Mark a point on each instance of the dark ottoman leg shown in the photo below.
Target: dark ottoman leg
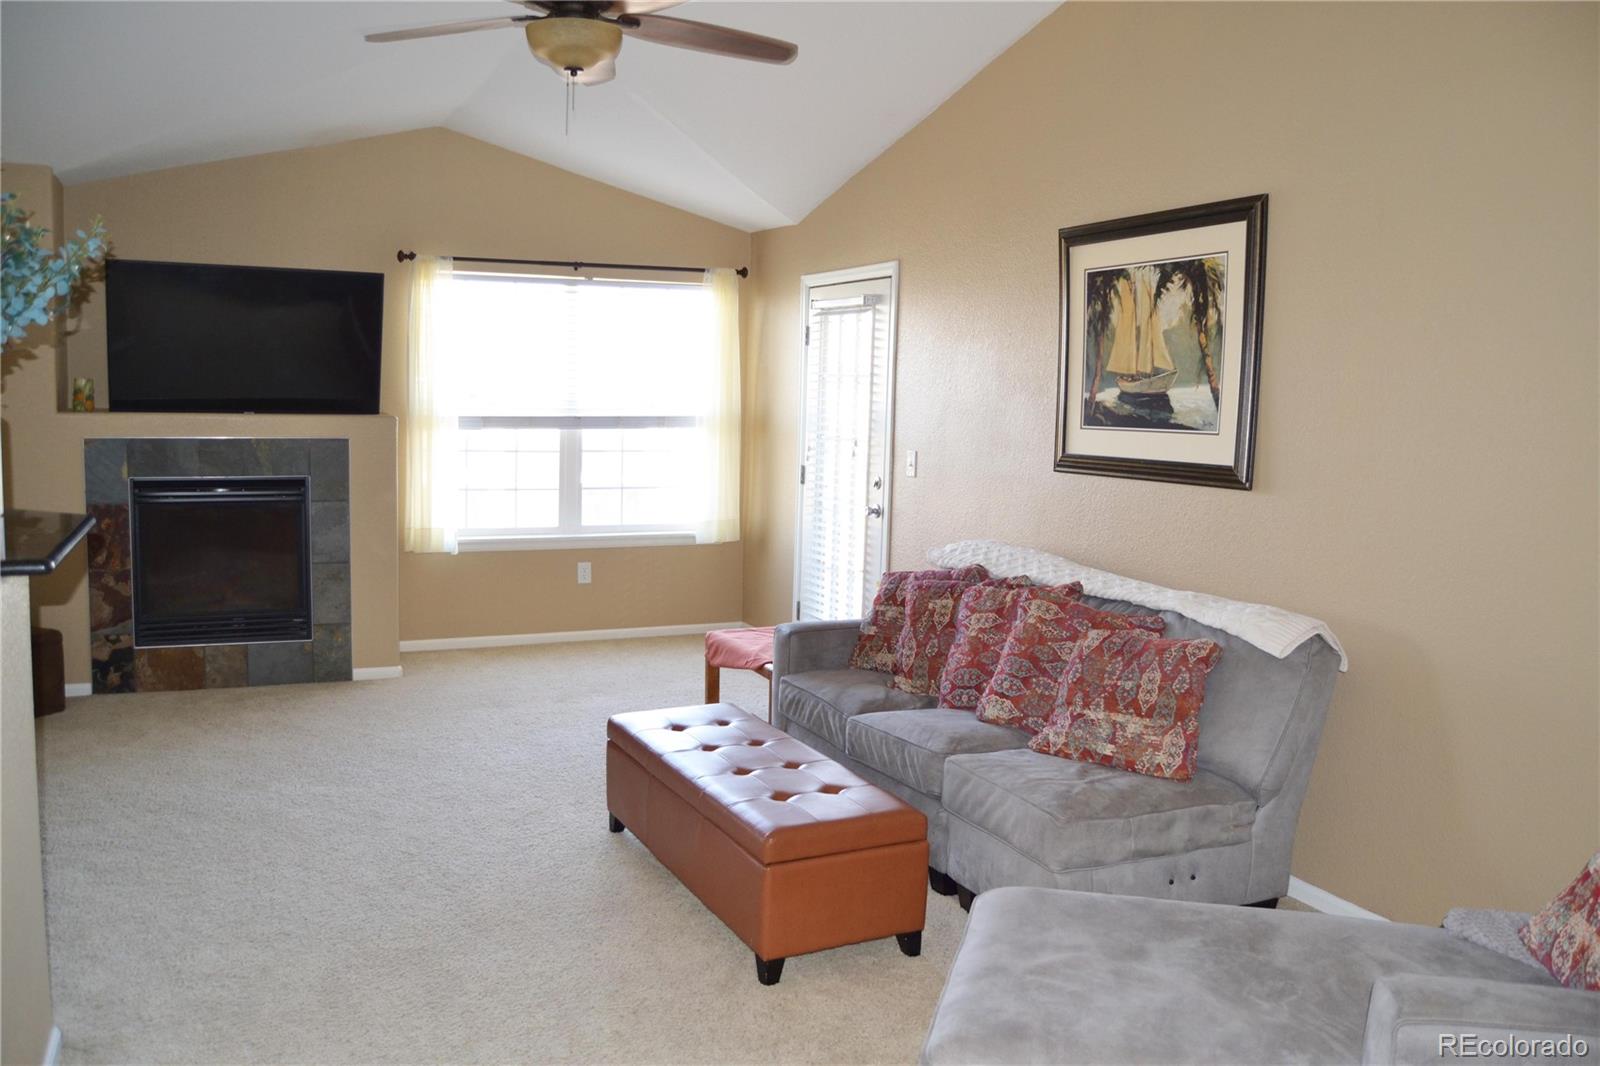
{"x": 910, "y": 943}
{"x": 768, "y": 970}
{"x": 616, "y": 825}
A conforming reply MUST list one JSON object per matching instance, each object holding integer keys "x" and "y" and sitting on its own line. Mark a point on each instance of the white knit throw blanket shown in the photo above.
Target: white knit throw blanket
{"x": 1272, "y": 629}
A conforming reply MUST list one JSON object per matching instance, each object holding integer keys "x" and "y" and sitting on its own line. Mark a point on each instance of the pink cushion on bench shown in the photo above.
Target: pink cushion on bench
{"x": 739, "y": 649}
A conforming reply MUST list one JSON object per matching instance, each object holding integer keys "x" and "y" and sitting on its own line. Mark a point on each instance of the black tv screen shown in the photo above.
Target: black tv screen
{"x": 195, "y": 337}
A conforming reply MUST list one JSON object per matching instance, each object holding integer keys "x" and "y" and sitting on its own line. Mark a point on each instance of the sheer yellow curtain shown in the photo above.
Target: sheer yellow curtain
{"x": 720, "y": 522}
{"x": 432, "y": 448}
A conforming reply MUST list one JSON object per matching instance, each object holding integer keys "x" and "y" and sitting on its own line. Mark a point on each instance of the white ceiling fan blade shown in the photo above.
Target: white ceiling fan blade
{"x": 443, "y": 29}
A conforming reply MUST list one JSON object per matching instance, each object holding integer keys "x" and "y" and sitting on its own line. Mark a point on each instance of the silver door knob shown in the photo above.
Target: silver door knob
{"x": 875, "y": 512}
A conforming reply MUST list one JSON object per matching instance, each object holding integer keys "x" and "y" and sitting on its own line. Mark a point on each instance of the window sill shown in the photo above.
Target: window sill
{"x": 554, "y": 541}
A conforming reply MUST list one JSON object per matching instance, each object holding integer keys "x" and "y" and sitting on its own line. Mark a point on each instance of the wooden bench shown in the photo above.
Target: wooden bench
{"x": 736, "y": 649}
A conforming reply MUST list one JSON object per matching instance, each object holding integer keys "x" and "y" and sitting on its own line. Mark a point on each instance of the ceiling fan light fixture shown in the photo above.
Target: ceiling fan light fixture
{"x": 573, "y": 44}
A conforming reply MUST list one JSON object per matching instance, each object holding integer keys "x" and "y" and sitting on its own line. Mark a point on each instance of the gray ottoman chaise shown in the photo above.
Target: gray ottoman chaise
{"x": 1049, "y": 976}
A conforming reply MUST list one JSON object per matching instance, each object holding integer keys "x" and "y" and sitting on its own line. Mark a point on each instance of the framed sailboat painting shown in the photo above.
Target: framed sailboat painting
{"x": 1161, "y": 344}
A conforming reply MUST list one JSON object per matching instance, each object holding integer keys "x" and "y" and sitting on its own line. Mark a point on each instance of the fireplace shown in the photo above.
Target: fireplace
{"x": 220, "y": 560}
{"x": 220, "y": 588}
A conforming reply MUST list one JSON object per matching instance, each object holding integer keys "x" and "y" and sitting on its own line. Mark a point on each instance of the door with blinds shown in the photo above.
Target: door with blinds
{"x": 847, "y": 398}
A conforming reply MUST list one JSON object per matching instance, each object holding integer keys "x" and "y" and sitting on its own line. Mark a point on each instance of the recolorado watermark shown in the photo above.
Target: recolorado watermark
{"x": 1473, "y": 1046}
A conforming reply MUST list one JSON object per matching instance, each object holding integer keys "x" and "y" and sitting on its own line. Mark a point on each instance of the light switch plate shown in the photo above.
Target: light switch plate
{"x": 911, "y": 463}
{"x": 585, "y": 573}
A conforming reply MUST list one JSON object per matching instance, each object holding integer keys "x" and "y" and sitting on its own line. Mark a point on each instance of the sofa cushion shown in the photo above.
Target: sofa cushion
{"x": 1068, "y": 815}
{"x": 1045, "y": 975}
{"x": 824, "y": 700}
{"x": 1131, "y": 700}
{"x": 911, "y": 746}
{"x": 984, "y": 619}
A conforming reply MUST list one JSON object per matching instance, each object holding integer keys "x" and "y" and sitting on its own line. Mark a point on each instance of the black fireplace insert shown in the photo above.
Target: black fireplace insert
{"x": 222, "y": 560}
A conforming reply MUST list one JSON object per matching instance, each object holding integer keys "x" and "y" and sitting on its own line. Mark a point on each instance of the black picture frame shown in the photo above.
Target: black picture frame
{"x": 1242, "y": 386}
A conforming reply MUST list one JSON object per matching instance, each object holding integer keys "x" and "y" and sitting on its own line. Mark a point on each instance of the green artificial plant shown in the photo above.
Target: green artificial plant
{"x": 38, "y": 284}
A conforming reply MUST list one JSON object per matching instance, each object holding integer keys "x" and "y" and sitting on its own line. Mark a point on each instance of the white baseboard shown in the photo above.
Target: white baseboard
{"x": 1320, "y": 899}
{"x": 79, "y": 688}
{"x": 508, "y": 640}
{"x": 52, "y": 1047}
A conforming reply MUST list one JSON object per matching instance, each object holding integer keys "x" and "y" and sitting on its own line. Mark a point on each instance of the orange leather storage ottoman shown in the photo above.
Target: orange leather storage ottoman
{"x": 793, "y": 851}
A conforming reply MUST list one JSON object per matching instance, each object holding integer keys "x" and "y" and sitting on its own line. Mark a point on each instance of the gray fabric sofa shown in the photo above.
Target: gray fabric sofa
{"x": 999, "y": 814}
{"x": 1047, "y": 976}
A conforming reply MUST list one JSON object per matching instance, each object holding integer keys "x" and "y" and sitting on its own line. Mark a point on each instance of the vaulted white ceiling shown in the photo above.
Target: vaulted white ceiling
{"x": 104, "y": 89}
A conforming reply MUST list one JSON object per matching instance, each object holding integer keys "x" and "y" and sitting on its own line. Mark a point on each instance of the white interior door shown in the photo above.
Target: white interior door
{"x": 847, "y": 401}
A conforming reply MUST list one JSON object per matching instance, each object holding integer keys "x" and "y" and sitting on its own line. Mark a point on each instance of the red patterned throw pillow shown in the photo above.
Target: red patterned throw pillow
{"x": 1131, "y": 700}
{"x": 930, "y": 629}
{"x": 880, "y": 630}
{"x": 1565, "y": 936}
{"x": 1043, "y": 634}
{"x": 984, "y": 618}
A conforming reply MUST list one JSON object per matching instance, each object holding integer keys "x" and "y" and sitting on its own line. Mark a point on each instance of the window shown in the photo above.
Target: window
{"x": 581, "y": 407}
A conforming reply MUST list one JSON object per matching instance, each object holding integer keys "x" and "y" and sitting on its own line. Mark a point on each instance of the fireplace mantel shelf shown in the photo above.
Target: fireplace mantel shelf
{"x": 36, "y": 542}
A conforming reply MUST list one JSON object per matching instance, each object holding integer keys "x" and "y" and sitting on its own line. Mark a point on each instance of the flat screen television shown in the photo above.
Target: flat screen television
{"x": 196, "y": 337}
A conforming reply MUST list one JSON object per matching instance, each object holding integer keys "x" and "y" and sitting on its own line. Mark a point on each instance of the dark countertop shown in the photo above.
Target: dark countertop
{"x": 36, "y": 542}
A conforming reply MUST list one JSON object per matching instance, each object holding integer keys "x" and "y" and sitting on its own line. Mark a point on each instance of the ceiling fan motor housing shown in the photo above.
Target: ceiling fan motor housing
{"x": 573, "y": 44}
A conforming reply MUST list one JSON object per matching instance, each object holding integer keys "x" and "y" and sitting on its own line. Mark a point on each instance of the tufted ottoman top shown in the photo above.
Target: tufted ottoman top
{"x": 775, "y": 797}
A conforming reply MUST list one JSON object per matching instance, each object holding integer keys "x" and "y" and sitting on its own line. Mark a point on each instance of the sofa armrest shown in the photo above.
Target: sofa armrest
{"x": 801, "y": 646}
{"x": 1416, "y": 1019}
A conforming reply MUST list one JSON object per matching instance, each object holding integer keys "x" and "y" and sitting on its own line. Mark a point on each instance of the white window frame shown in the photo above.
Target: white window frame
{"x": 891, "y": 270}
{"x": 570, "y": 484}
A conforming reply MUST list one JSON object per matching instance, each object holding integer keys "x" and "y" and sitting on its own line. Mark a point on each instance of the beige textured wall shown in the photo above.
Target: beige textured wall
{"x": 1426, "y": 471}
{"x": 350, "y": 206}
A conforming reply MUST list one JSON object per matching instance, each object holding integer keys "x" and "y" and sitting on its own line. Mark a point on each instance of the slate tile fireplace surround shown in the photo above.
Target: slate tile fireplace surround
{"x": 255, "y": 582}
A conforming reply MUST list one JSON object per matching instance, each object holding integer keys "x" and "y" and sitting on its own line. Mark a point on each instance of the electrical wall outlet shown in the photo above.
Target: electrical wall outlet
{"x": 911, "y": 463}
{"x": 585, "y": 573}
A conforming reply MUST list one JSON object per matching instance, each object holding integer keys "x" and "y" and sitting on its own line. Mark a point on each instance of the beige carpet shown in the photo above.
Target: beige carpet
{"x": 417, "y": 871}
